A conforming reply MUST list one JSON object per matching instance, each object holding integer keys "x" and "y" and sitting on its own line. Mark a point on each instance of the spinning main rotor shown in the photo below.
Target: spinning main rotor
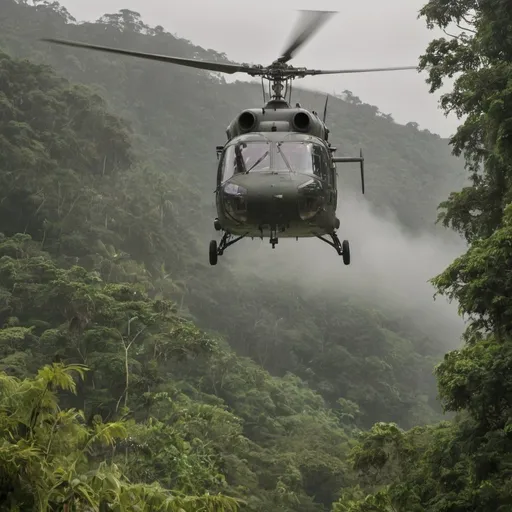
{"x": 277, "y": 72}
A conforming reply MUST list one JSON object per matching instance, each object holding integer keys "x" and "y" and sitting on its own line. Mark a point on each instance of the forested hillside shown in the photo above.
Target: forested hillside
{"x": 246, "y": 382}
{"x": 162, "y": 218}
{"x": 194, "y": 417}
{"x": 181, "y": 113}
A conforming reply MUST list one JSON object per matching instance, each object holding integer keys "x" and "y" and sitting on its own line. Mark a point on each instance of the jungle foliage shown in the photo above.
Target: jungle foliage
{"x": 146, "y": 204}
{"x": 192, "y": 415}
{"x": 464, "y": 465}
{"x": 101, "y": 206}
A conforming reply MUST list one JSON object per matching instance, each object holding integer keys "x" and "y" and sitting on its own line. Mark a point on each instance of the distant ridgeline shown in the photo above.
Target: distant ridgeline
{"x": 97, "y": 192}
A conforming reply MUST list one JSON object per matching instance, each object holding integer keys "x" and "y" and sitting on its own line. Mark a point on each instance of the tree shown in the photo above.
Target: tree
{"x": 481, "y": 56}
{"x": 465, "y": 466}
{"x": 48, "y": 454}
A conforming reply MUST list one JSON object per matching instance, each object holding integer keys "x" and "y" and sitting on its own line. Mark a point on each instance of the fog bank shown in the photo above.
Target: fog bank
{"x": 389, "y": 269}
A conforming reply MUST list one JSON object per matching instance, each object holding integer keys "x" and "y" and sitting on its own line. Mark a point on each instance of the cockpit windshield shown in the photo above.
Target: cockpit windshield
{"x": 300, "y": 157}
{"x": 294, "y": 155}
{"x": 246, "y": 157}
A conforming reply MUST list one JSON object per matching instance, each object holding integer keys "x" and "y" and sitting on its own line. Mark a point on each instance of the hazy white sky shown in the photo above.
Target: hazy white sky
{"x": 368, "y": 33}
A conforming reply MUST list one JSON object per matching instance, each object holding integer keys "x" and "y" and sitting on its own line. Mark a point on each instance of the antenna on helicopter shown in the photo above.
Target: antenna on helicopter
{"x": 325, "y": 108}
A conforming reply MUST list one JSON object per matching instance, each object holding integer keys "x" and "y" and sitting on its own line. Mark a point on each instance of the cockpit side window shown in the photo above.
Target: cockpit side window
{"x": 220, "y": 168}
{"x": 320, "y": 163}
{"x": 245, "y": 157}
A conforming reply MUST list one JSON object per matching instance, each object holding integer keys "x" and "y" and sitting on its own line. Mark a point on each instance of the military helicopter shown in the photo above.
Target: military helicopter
{"x": 276, "y": 175}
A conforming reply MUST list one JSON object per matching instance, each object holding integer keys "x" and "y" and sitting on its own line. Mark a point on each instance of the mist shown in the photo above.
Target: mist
{"x": 390, "y": 269}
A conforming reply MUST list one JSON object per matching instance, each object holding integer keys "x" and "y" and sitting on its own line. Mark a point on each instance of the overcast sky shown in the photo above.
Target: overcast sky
{"x": 367, "y": 33}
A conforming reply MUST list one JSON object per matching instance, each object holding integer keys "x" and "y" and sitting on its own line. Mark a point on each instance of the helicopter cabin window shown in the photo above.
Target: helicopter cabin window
{"x": 245, "y": 157}
{"x": 302, "y": 157}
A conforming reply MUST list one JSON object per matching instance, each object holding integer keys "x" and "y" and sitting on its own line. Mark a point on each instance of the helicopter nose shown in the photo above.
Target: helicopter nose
{"x": 274, "y": 204}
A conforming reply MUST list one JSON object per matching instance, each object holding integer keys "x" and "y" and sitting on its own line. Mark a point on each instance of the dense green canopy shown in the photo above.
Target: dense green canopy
{"x": 149, "y": 212}
{"x": 465, "y": 465}
{"x": 132, "y": 376}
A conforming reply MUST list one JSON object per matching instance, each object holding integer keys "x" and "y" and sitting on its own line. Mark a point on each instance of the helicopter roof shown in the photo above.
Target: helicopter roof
{"x": 275, "y": 137}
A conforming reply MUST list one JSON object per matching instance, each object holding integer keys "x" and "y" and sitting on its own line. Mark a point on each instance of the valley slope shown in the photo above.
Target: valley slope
{"x": 357, "y": 345}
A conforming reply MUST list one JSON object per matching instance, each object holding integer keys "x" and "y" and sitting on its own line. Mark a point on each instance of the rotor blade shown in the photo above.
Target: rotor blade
{"x": 345, "y": 71}
{"x": 308, "y": 25}
{"x": 193, "y": 63}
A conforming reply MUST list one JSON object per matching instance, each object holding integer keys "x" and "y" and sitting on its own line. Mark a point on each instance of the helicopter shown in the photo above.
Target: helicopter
{"x": 276, "y": 173}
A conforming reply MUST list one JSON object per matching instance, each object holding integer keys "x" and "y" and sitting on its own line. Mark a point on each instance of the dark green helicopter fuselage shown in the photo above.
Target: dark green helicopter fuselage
{"x": 290, "y": 192}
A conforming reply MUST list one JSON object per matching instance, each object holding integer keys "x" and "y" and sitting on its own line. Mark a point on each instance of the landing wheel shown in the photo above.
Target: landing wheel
{"x": 213, "y": 252}
{"x": 345, "y": 252}
{"x": 216, "y": 225}
{"x": 225, "y": 242}
{"x": 342, "y": 248}
{"x": 337, "y": 223}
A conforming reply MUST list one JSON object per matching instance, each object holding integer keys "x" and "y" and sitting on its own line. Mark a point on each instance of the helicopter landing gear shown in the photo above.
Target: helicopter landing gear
{"x": 218, "y": 250}
{"x": 273, "y": 238}
{"x": 342, "y": 248}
